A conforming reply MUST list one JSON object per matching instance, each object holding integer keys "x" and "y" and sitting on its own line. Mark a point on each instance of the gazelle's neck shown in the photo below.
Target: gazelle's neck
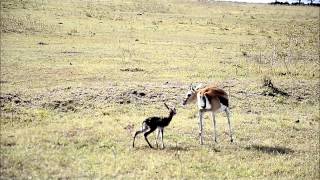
{"x": 170, "y": 116}
{"x": 193, "y": 97}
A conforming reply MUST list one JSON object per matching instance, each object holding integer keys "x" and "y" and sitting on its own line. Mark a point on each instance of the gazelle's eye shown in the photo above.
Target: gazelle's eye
{"x": 189, "y": 95}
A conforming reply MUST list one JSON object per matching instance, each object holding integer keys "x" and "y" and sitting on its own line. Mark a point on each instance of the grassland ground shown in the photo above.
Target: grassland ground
{"x": 78, "y": 78}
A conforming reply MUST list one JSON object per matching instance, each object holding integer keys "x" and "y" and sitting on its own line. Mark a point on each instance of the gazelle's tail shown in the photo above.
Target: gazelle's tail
{"x": 143, "y": 126}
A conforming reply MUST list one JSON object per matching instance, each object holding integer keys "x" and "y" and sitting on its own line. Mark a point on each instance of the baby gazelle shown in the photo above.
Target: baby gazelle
{"x": 152, "y": 123}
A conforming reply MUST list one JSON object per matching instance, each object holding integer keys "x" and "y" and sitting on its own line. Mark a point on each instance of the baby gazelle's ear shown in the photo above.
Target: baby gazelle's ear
{"x": 174, "y": 109}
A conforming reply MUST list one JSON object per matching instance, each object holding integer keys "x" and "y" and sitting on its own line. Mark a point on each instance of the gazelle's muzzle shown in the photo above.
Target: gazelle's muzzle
{"x": 184, "y": 102}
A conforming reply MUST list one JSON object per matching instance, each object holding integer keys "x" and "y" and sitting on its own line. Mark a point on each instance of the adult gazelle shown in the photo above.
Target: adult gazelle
{"x": 209, "y": 99}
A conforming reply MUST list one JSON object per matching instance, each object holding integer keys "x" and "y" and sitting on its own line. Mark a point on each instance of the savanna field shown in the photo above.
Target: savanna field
{"x": 79, "y": 77}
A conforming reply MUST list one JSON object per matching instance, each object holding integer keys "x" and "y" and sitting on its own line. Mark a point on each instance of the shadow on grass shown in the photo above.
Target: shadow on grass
{"x": 142, "y": 147}
{"x": 176, "y": 148}
{"x": 215, "y": 149}
{"x": 167, "y": 148}
{"x": 270, "y": 150}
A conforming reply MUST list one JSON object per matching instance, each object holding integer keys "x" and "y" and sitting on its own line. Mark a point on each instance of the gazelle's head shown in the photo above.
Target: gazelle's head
{"x": 191, "y": 94}
{"x": 173, "y": 110}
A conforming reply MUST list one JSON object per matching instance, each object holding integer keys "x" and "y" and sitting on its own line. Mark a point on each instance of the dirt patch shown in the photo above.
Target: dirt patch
{"x": 276, "y": 150}
{"x": 13, "y": 99}
{"x": 71, "y": 52}
{"x": 62, "y": 105}
{"x": 132, "y": 69}
{"x": 7, "y": 143}
{"x": 3, "y": 82}
{"x": 141, "y": 96}
{"x": 73, "y": 99}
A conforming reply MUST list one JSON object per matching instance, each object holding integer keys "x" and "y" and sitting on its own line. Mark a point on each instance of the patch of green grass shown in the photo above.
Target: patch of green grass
{"x": 78, "y": 78}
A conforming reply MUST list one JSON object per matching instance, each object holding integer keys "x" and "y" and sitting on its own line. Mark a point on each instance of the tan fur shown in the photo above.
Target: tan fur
{"x": 193, "y": 97}
{"x": 213, "y": 92}
{"x": 216, "y": 96}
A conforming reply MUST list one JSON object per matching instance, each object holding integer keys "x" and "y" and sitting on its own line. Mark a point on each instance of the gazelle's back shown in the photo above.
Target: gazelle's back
{"x": 212, "y": 92}
{"x": 154, "y": 122}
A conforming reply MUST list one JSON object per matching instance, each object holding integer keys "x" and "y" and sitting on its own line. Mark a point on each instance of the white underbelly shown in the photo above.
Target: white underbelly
{"x": 222, "y": 108}
{"x": 203, "y": 102}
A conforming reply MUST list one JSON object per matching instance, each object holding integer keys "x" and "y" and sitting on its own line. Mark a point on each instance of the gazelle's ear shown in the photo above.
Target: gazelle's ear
{"x": 191, "y": 87}
{"x": 166, "y": 106}
{"x": 199, "y": 86}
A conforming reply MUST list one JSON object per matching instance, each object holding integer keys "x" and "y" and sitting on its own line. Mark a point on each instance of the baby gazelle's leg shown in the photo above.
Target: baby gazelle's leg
{"x": 157, "y": 136}
{"x": 161, "y": 130}
{"x": 143, "y": 129}
{"x": 147, "y": 133}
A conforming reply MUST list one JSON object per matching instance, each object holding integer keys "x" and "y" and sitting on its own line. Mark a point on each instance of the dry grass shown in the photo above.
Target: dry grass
{"x": 78, "y": 77}
{"x": 12, "y": 24}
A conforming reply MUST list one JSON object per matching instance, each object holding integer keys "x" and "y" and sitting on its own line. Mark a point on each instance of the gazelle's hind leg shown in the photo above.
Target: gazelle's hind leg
{"x": 146, "y": 135}
{"x": 157, "y": 136}
{"x": 228, "y": 113}
{"x": 144, "y": 128}
{"x": 214, "y": 127}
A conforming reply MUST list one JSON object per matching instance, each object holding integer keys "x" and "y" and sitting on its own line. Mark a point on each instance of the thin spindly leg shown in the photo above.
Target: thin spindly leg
{"x": 200, "y": 127}
{"x": 137, "y": 133}
{"x": 229, "y": 123}
{"x": 214, "y": 127}
{"x": 157, "y": 137}
{"x": 162, "y": 138}
{"x": 146, "y": 134}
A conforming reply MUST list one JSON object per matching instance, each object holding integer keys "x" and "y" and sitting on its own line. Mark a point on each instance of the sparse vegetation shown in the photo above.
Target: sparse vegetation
{"x": 24, "y": 24}
{"x": 78, "y": 77}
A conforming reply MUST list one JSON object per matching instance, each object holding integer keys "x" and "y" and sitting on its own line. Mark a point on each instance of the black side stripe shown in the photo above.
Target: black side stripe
{"x": 224, "y": 101}
{"x": 205, "y": 102}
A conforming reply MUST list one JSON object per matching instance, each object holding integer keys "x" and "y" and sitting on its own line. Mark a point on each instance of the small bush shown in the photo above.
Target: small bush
{"x": 73, "y": 32}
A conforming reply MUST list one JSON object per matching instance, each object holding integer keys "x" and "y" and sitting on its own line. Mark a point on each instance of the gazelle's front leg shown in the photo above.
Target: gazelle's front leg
{"x": 229, "y": 123}
{"x": 214, "y": 127}
{"x": 161, "y": 130}
{"x": 200, "y": 127}
{"x": 157, "y": 136}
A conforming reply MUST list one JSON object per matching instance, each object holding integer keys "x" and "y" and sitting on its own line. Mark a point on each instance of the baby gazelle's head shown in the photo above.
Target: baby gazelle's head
{"x": 173, "y": 110}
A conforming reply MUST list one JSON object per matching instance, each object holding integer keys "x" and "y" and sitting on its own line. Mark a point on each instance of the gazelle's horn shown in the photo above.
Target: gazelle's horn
{"x": 166, "y": 106}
